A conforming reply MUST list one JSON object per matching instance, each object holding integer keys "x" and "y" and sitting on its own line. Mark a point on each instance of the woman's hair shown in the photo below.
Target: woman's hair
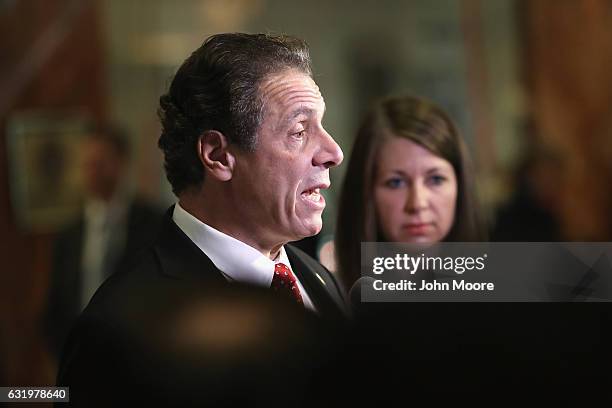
{"x": 424, "y": 124}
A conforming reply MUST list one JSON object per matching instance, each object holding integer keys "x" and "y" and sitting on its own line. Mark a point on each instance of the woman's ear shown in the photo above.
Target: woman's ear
{"x": 214, "y": 154}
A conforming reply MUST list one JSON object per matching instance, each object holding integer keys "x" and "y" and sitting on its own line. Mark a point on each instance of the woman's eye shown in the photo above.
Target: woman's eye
{"x": 395, "y": 182}
{"x": 437, "y": 180}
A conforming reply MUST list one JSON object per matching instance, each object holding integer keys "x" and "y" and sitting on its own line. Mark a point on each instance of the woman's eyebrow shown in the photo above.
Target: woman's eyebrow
{"x": 436, "y": 169}
{"x": 397, "y": 171}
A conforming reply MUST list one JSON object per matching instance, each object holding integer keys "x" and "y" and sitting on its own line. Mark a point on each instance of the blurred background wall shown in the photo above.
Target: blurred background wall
{"x": 528, "y": 82}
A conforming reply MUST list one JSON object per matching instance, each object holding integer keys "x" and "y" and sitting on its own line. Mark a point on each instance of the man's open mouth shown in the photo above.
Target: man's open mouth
{"x": 312, "y": 195}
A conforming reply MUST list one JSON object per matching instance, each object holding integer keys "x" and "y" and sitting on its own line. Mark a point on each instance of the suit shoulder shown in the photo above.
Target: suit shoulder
{"x": 72, "y": 228}
{"x": 142, "y": 207}
{"x": 126, "y": 285}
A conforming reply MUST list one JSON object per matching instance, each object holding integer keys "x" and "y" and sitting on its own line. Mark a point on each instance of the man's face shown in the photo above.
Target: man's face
{"x": 102, "y": 168}
{"x": 278, "y": 185}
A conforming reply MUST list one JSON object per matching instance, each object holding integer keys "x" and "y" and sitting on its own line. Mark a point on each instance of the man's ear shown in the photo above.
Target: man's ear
{"x": 214, "y": 154}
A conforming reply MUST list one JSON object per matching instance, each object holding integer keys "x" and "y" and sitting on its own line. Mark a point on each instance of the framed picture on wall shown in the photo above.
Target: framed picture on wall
{"x": 45, "y": 182}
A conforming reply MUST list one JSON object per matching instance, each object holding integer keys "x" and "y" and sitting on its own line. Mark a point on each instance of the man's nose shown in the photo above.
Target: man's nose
{"x": 417, "y": 198}
{"x": 329, "y": 153}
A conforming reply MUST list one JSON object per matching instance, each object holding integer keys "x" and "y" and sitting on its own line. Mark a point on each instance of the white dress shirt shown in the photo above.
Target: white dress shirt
{"x": 103, "y": 240}
{"x": 238, "y": 261}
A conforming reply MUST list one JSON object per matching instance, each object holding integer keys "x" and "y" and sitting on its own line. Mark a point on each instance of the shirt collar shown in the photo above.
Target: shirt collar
{"x": 237, "y": 260}
{"x": 107, "y": 212}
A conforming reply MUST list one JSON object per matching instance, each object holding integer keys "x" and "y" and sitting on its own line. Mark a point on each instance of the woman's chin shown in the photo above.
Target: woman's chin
{"x": 418, "y": 239}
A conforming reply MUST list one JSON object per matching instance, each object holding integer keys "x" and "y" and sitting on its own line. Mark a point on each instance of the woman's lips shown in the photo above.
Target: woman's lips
{"x": 417, "y": 228}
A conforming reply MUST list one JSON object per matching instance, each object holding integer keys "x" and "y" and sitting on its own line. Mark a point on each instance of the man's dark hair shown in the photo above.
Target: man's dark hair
{"x": 217, "y": 88}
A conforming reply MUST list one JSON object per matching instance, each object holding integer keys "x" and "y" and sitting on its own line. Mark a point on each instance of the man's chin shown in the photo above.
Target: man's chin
{"x": 310, "y": 227}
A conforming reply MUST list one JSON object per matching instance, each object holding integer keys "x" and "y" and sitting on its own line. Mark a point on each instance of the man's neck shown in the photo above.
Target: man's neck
{"x": 212, "y": 213}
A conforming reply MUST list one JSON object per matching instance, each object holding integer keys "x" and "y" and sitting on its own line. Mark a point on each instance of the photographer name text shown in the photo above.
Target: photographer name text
{"x": 433, "y": 286}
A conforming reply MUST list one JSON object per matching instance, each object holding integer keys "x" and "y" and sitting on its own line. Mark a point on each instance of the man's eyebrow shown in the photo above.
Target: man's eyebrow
{"x": 299, "y": 111}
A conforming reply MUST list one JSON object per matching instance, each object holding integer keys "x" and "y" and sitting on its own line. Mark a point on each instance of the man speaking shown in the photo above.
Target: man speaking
{"x": 247, "y": 156}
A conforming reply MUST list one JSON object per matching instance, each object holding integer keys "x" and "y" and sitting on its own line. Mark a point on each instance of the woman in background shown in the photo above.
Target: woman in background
{"x": 408, "y": 180}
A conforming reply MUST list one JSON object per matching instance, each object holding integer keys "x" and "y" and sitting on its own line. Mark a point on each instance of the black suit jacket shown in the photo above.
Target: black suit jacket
{"x": 64, "y": 297}
{"x": 178, "y": 257}
{"x": 130, "y": 304}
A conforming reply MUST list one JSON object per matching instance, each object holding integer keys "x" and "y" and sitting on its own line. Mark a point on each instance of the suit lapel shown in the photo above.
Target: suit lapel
{"x": 180, "y": 258}
{"x": 321, "y": 288}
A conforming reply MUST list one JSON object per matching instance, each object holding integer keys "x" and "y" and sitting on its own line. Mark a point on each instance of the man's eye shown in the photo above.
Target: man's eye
{"x": 299, "y": 135}
{"x": 395, "y": 182}
{"x": 436, "y": 180}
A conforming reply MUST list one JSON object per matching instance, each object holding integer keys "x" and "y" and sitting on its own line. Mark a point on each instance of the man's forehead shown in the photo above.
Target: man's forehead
{"x": 291, "y": 87}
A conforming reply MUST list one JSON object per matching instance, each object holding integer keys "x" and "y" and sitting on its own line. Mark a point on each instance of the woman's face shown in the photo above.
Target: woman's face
{"x": 415, "y": 193}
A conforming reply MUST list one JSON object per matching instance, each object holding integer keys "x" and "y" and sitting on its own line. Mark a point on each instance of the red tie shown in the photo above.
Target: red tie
{"x": 285, "y": 282}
